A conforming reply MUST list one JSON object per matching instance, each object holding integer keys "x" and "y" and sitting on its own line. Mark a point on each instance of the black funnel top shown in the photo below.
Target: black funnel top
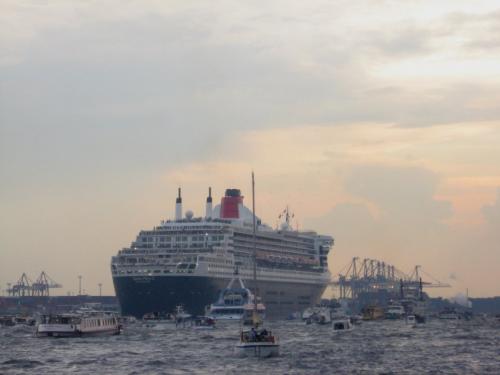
{"x": 233, "y": 193}
{"x": 209, "y": 198}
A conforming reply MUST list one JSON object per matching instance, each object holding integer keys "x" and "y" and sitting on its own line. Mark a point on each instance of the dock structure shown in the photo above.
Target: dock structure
{"x": 371, "y": 275}
{"x": 24, "y": 287}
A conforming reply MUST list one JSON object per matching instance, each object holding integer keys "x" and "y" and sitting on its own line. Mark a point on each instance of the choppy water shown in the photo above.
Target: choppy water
{"x": 386, "y": 347}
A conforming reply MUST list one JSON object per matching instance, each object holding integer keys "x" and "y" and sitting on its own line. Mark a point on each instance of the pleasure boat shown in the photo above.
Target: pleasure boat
{"x": 258, "y": 343}
{"x": 342, "y": 324}
{"x": 372, "y": 312}
{"x": 394, "y": 311}
{"x": 235, "y": 303}
{"x": 154, "y": 319}
{"x": 71, "y": 325}
{"x": 323, "y": 316}
{"x": 203, "y": 323}
{"x": 127, "y": 320}
{"x": 7, "y": 321}
{"x": 180, "y": 315}
{"x": 449, "y": 314}
{"x": 411, "y": 321}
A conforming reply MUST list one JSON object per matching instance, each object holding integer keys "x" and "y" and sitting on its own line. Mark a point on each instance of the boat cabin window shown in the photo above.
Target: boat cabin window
{"x": 338, "y": 326}
{"x": 63, "y": 320}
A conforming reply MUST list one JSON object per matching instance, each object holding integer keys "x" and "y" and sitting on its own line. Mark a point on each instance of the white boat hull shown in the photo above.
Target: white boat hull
{"x": 62, "y": 330}
{"x": 344, "y": 325}
{"x": 258, "y": 349}
{"x": 227, "y": 318}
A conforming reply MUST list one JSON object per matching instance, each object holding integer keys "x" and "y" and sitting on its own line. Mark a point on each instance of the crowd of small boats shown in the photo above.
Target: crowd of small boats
{"x": 255, "y": 340}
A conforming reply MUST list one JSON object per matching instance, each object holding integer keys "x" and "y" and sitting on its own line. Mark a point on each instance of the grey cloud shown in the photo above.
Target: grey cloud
{"x": 479, "y": 31}
{"x": 155, "y": 90}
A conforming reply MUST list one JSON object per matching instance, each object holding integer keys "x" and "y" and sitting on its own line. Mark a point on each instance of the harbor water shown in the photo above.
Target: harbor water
{"x": 385, "y": 347}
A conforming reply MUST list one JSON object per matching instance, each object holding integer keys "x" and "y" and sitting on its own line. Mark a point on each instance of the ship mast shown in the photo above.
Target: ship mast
{"x": 254, "y": 251}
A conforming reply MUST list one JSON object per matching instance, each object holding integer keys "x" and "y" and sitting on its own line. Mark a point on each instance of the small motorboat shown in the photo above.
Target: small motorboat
{"x": 7, "y": 321}
{"x": 181, "y": 316}
{"x": 394, "y": 311}
{"x": 420, "y": 319}
{"x": 155, "y": 319}
{"x": 449, "y": 314}
{"x": 323, "y": 316}
{"x": 258, "y": 343}
{"x": 342, "y": 324}
{"x": 203, "y": 323}
{"x": 127, "y": 320}
{"x": 372, "y": 312}
{"x": 411, "y": 320}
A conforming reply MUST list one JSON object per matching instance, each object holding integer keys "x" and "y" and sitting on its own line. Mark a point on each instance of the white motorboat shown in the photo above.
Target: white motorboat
{"x": 181, "y": 315}
{"x": 323, "y": 316}
{"x": 7, "y": 321}
{"x": 258, "y": 343}
{"x": 21, "y": 320}
{"x": 203, "y": 323}
{"x": 395, "y": 311}
{"x": 156, "y": 319}
{"x": 70, "y": 325}
{"x": 308, "y": 314}
{"x": 449, "y": 314}
{"x": 235, "y": 303}
{"x": 342, "y": 324}
{"x": 410, "y": 320}
{"x": 127, "y": 320}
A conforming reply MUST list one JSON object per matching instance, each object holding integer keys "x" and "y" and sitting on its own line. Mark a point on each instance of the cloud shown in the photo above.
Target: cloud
{"x": 491, "y": 212}
{"x": 396, "y": 218}
{"x": 404, "y": 195}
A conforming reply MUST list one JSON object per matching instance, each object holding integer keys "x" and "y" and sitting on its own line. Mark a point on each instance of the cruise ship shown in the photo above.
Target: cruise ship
{"x": 189, "y": 260}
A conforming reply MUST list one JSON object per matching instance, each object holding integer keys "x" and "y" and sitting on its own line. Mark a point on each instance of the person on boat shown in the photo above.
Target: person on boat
{"x": 253, "y": 334}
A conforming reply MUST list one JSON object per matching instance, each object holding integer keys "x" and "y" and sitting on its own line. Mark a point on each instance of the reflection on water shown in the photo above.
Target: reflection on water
{"x": 374, "y": 347}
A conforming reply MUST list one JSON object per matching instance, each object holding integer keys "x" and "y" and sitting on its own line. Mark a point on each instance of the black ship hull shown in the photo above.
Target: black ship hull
{"x": 140, "y": 295}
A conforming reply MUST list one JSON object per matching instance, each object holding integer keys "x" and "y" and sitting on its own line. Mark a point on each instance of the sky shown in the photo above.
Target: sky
{"x": 376, "y": 121}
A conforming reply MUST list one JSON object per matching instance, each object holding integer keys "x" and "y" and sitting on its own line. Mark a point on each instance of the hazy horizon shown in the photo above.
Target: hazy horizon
{"x": 376, "y": 121}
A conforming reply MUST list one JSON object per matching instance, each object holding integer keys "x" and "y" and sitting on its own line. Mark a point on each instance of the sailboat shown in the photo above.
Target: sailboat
{"x": 257, "y": 341}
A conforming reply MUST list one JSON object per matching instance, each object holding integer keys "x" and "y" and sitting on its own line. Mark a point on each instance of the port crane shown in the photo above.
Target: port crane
{"x": 39, "y": 288}
{"x": 370, "y": 275}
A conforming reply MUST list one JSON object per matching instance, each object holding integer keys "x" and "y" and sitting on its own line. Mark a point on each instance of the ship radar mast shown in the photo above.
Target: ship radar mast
{"x": 255, "y": 317}
{"x": 287, "y": 215}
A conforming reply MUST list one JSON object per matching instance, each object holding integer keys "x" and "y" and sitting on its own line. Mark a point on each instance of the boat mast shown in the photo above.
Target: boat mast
{"x": 254, "y": 250}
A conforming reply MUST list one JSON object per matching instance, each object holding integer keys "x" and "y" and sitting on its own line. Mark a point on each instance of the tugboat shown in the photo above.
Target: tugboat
{"x": 74, "y": 325}
{"x": 257, "y": 342}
